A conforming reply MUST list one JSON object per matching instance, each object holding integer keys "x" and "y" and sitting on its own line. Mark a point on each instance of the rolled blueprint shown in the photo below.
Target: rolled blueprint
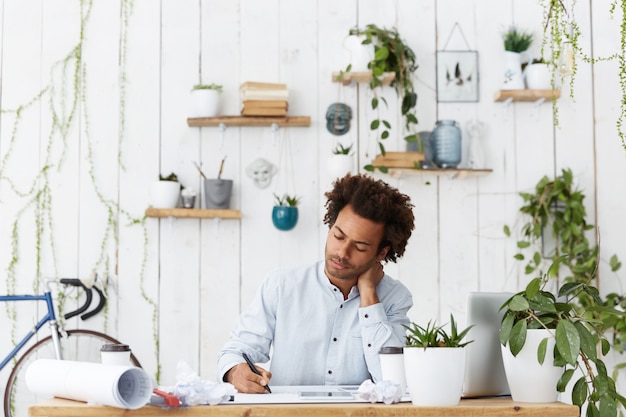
{"x": 114, "y": 385}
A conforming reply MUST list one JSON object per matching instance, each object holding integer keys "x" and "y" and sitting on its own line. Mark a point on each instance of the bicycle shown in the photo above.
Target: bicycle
{"x": 75, "y": 344}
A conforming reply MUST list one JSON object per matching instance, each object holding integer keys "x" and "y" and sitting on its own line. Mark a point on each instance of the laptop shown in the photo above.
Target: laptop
{"x": 484, "y": 371}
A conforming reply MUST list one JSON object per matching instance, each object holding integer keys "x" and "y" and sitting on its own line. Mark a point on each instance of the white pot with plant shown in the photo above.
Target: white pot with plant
{"x": 205, "y": 100}
{"x": 434, "y": 363}
{"x": 165, "y": 193}
{"x": 341, "y": 161}
{"x": 537, "y": 75}
{"x": 516, "y": 44}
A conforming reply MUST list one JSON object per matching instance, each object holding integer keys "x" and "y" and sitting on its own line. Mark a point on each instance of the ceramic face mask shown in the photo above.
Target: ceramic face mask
{"x": 338, "y": 116}
{"x": 261, "y": 171}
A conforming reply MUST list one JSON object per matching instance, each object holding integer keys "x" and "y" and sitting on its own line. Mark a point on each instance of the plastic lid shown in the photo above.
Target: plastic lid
{"x": 391, "y": 349}
{"x": 115, "y": 348}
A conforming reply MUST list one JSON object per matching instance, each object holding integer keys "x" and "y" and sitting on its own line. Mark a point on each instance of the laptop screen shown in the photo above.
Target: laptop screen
{"x": 484, "y": 372}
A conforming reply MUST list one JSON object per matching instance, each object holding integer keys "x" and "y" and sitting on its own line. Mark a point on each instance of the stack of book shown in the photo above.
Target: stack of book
{"x": 263, "y": 99}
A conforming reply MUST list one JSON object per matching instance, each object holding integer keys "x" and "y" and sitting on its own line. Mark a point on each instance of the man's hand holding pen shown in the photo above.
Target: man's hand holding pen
{"x": 245, "y": 380}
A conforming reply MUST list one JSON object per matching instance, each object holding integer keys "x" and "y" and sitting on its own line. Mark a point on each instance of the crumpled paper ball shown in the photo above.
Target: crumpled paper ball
{"x": 192, "y": 390}
{"x": 385, "y": 391}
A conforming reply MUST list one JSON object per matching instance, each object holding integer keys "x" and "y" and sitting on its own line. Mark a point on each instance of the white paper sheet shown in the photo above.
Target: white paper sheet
{"x": 291, "y": 395}
{"x": 114, "y": 385}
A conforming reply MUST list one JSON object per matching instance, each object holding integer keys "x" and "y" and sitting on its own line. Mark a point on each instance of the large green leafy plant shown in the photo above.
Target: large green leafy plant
{"x": 577, "y": 338}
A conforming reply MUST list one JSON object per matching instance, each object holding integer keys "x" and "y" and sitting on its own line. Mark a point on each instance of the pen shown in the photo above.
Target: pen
{"x": 253, "y": 369}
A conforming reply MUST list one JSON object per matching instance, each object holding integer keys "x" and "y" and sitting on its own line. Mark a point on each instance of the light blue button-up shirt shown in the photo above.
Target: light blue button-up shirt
{"x": 317, "y": 337}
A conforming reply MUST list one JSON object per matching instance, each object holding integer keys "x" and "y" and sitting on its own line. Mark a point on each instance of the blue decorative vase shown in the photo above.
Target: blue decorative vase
{"x": 285, "y": 217}
{"x": 446, "y": 141}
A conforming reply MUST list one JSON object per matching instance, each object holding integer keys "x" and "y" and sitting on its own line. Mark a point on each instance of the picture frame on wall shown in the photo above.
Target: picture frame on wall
{"x": 457, "y": 76}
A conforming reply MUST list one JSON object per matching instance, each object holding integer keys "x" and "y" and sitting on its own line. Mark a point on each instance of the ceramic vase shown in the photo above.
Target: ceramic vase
{"x": 530, "y": 381}
{"x": 434, "y": 376}
{"x": 164, "y": 194}
{"x": 284, "y": 217}
{"x": 204, "y": 103}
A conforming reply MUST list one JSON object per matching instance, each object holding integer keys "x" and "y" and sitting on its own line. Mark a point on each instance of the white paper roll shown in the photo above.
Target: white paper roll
{"x": 114, "y": 385}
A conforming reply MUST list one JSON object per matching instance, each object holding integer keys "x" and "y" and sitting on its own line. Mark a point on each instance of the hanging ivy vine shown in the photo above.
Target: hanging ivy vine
{"x": 66, "y": 95}
{"x": 562, "y": 36}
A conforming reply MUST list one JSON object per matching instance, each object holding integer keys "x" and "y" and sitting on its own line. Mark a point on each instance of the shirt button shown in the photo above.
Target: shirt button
{"x": 330, "y": 372}
{"x": 369, "y": 345}
{"x": 334, "y": 339}
{"x": 335, "y": 289}
{"x": 341, "y": 306}
{"x": 367, "y": 316}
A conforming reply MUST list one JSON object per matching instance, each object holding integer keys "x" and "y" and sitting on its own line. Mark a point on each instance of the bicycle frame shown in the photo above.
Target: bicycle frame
{"x": 50, "y": 318}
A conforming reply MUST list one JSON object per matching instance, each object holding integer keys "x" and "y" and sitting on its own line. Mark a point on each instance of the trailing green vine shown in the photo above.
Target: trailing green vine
{"x": 562, "y": 35}
{"x": 66, "y": 95}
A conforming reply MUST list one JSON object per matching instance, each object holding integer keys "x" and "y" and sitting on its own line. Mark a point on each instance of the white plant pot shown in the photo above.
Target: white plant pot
{"x": 434, "y": 376}
{"x": 164, "y": 194}
{"x": 530, "y": 381}
{"x": 340, "y": 165}
{"x": 204, "y": 103}
{"x": 359, "y": 55}
{"x": 537, "y": 77}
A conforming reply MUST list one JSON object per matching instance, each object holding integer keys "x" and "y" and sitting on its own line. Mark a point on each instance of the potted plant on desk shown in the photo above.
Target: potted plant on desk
{"x": 569, "y": 340}
{"x": 205, "y": 100}
{"x": 434, "y": 363}
{"x": 165, "y": 193}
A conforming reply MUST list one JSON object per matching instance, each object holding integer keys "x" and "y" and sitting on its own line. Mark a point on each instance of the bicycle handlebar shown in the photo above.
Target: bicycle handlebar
{"x": 75, "y": 282}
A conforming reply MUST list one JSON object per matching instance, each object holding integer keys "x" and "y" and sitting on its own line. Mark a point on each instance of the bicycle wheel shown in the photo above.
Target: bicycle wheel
{"x": 77, "y": 345}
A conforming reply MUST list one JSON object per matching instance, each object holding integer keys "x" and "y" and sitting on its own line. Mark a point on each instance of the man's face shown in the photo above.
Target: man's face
{"x": 352, "y": 246}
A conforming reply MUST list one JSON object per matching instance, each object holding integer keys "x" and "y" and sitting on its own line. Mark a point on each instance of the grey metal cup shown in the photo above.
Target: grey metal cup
{"x": 217, "y": 193}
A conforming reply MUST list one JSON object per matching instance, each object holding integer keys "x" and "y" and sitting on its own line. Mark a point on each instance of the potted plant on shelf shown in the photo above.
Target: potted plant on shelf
{"x": 516, "y": 44}
{"x": 205, "y": 100}
{"x": 165, "y": 193}
{"x": 391, "y": 54}
{"x": 569, "y": 341}
{"x": 340, "y": 162}
{"x": 285, "y": 212}
{"x": 434, "y": 363}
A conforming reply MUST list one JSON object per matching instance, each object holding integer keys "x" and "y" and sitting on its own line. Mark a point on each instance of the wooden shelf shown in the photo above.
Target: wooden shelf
{"x": 292, "y": 121}
{"x": 361, "y": 77}
{"x": 453, "y": 173}
{"x": 194, "y": 213}
{"x": 526, "y": 95}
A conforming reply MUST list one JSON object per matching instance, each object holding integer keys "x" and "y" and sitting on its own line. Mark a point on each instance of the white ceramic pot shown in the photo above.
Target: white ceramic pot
{"x": 434, "y": 376}
{"x": 530, "y": 381}
{"x": 164, "y": 194}
{"x": 513, "y": 79}
{"x": 339, "y": 165}
{"x": 204, "y": 103}
{"x": 359, "y": 55}
{"x": 537, "y": 77}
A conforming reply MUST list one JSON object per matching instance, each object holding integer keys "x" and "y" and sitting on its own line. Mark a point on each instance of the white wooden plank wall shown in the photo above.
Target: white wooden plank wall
{"x": 187, "y": 280}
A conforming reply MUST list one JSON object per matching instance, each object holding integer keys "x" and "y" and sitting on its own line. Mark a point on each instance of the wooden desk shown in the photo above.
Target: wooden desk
{"x": 485, "y": 407}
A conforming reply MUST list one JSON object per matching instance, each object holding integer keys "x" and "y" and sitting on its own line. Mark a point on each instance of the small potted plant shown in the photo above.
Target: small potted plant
{"x": 516, "y": 44}
{"x": 205, "y": 100}
{"x": 340, "y": 162}
{"x": 434, "y": 363}
{"x": 285, "y": 212}
{"x": 165, "y": 193}
{"x": 537, "y": 75}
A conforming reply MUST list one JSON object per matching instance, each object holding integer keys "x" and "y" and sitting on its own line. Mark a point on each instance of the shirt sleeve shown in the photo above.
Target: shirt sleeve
{"x": 382, "y": 324}
{"x": 253, "y": 333}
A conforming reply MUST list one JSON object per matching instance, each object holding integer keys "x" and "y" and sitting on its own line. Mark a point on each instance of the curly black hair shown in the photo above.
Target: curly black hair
{"x": 377, "y": 201}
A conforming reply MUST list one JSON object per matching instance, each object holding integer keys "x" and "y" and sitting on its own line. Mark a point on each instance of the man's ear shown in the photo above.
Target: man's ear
{"x": 383, "y": 253}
